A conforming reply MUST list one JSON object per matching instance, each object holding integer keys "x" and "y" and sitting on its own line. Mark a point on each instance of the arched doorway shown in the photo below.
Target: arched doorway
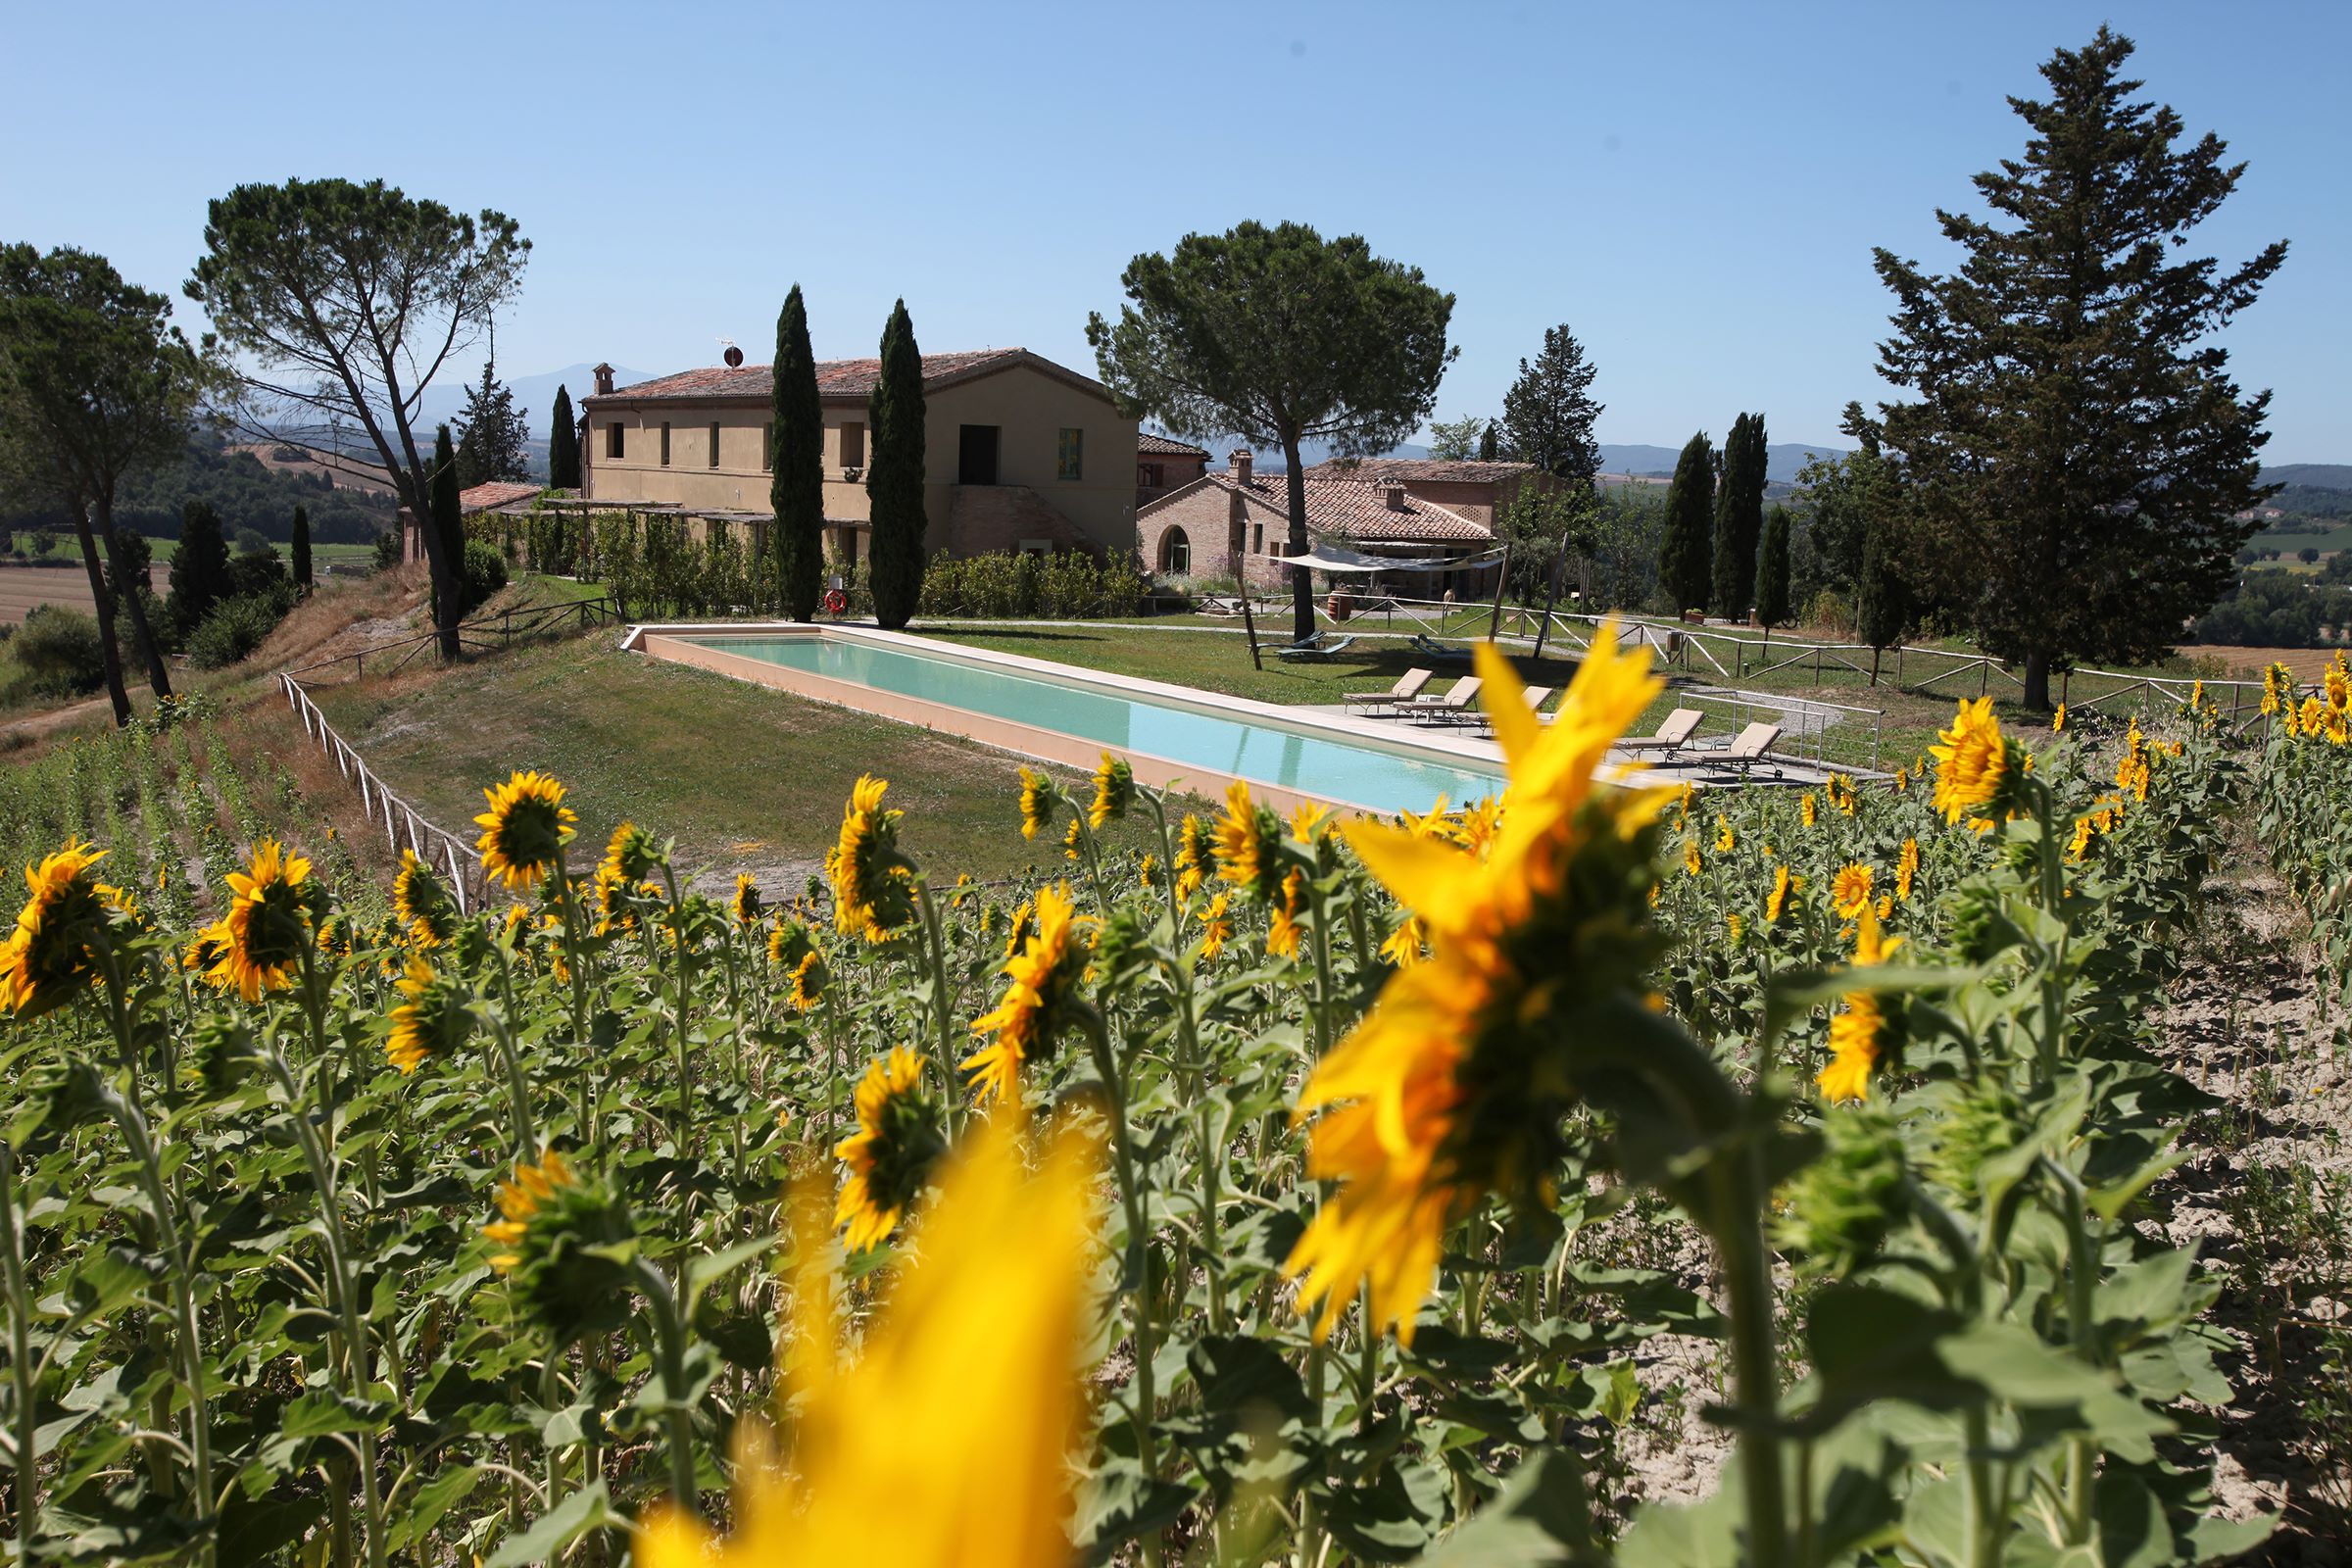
{"x": 1176, "y": 552}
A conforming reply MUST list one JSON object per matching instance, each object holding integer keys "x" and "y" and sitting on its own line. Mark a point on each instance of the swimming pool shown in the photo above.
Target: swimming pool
{"x": 1207, "y": 739}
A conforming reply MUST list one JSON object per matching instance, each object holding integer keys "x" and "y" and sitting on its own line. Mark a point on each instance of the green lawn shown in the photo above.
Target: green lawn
{"x": 743, "y": 776}
{"x": 66, "y": 551}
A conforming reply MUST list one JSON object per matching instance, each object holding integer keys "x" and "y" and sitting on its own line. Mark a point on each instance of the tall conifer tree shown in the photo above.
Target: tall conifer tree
{"x": 1738, "y": 517}
{"x": 893, "y": 479}
{"x": 1547, "y": 415}
{"x": 302, "y": 547}
{"x": 448, "y": 523}
{"x": 796, "y": 490}
{"x": 563, "y": 444}
{"x": 1685, "y": 553}
{"x": 199, "y": 566}
{"x": 1772, "y": 573}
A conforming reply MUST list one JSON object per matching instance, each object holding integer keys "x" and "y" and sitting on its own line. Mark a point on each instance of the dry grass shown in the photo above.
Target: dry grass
{"x": 23, "y": 588}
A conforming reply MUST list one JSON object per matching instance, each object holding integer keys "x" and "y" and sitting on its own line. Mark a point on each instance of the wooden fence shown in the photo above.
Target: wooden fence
{"x": 405, "y": 827}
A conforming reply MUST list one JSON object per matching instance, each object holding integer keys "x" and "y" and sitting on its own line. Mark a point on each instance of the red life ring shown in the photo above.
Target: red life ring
{"x": 837, "y": 603}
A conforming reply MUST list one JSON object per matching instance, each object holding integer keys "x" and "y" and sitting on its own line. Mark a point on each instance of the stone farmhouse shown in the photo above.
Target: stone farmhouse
{"x": 1164, "y": 464}
{"x": 1232, "y": 524}
{"x": 1021, "y": 453}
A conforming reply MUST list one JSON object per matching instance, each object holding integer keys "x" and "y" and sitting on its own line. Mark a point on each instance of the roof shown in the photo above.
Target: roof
{"x": 497, "y": 493}
{"x": 1346, "y": 508}
{"x": 1162, "y": 446}
{"x": 1428, "y": 470}
{"x": 837, "y": 380}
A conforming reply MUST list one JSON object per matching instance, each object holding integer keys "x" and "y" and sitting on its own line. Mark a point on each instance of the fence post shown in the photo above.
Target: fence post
{"x": 1984, "y": 676}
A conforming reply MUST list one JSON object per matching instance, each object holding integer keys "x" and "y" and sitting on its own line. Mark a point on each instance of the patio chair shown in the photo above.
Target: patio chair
{"x": 1753, "y": 745}
{"x": 1453, "y": 704}
{"x": 1680, "y": 726}
{"x": 1408, "y": 686}
{"x": 1536, "y": 695}
{"x": 1436, "y": 652}
{"x": 1322, "y": 645}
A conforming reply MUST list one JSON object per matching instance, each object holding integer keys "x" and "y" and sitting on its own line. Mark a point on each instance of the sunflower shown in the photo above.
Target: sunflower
{"x": 616, "y": 907}
{"x": 1807, "y": 809}
{"x": 870, "y": 876}
{"x": 1850, "y": 889}
{"x": 1858, "y": 1035}
{"x": 1454, "y": 1083}
{"x": 427, "y": 911}
{"x": 1972, "y": 765}
{"x": 1725, "y": 839}
{"x": 2337, "y": 683}
{"x": 810, "y": 978}
{"x": 1041, "y": 999}
{"x": 2309, "y": 719}
{"x": 2079, "y": 845}
{"x": 747, "y": 907}
{"x": 1477, "y": 825}
{"x": 963, "y": 892}
{"x": 2058, "y": 718}
{"x": 1735, "y": 927}
{"x": 1114, "y": 790}
{"x": 1249, "y": 845}
{"x": 1692, "y": 863}
{"x": 1218, "y": 926}
{"x": 1283, "y": 934}
{"x": 1071, "y": 839}
{"x": 1307, "y": 821}
{"x": 947, "y": 1441}
{"x": 47, "y": 958}
{"x": 1038, "y": 798}
{"x": 1146, "y": 872}
{"x": 788, "y": 943}
{"x": 272, "y": 912}
{"x": 1196, "y": 854}
{"x": 525, "y": 829}
{"x": 1023, "y": 927}
{"x": 1906, "y": 868}
{"x": 431, "y": 1019}
{"x": 900, "y": 1137}
{"x": 1841, "y": 791}
{"x": 1902, "y": 781}
{"x": 2278, "y": 683}
{"x": 522, "y": 1199}
{"x": 1777, "y": 901}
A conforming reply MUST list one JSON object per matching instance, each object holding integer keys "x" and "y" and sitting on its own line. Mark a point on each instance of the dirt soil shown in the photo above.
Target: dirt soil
{"x": 22, "y": 588}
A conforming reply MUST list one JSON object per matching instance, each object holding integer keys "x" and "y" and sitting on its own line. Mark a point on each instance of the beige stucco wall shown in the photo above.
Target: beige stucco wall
{"x": 1028, "y": 407}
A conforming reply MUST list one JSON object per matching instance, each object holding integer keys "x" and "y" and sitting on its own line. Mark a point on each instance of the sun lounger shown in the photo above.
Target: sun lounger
{"x": 1408, "y": 686}
{"x": 1453, "y": 704}
{"x": 1680, "y": 726}
{"x": 1436, "y": 652}
{"x": 1320, "y": 645}
{"x": 1752, "y": 746}
{"x": 1535, "y": 696}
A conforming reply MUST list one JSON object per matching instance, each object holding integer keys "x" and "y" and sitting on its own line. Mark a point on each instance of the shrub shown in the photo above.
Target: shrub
{"x": 60, "y": 650}
{"x": 387, "y": 550}
{"x": 233, "y": 629}
{"x": 484, "y": 574}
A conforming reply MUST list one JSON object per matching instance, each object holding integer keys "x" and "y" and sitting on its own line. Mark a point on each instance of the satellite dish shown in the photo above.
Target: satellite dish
{"x": 734, "y": 358}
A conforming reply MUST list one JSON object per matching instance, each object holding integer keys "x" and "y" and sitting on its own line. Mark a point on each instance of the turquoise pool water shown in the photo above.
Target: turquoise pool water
{"x": 1362, "y": 775}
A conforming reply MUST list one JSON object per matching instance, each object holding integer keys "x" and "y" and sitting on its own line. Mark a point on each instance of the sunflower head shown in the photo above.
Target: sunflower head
{"x": 1114, "y": 790}
{"x": 1850, "y": 889}
{"x": 1726, "y": 839}
{"x": 1864, "y": 1033}
{"x": 2058, "y": 720}
{"x": 49, "y": 957}
{"x": 1776, "y": 903}
{"x": 273, "y": 914}
{"x": 902, "y": 1132}
{"x": 1040, "y": 998}
{"x": 432, "y": 1019}
{"x": 746, "y": 908}
{"x": 557, "y": 1239}
{"x": 1216, "y": 924}
{"x": 632, "y": 856}
{"x": 1841, "y": 791}
{"x": 1249, "y": 845}
{"x": 810, "y": 977}
{"x": 1285, "y": 930}
{"x": 427, "y": 911}
{"x": 1906, "y": 868}
{"x": 524, "y": 830}
{"x": 1807, "y": 808}
{"x": 872, "y": 880}
{"x": 1041, "y": 797}
{"x": 1195, "y": 853}
{"x": 1976, "y": 769}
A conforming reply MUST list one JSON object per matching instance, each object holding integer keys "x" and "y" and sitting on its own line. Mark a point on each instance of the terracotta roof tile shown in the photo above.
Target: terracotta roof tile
{"x": 835, "y": 378}
{"x": 1358, "y": 510}
{"x": 497, "y": 493}
{"x": 1426, "y": 469}
{"x": 1162, "y": 446}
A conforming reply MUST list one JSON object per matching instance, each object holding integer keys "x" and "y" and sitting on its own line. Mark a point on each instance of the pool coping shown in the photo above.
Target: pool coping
{"x": 668, "y": 641}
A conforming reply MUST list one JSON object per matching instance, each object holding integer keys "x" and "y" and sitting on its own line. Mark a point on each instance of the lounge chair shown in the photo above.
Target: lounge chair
{"x": 1535, "y": 696}
{"x": 1680, "y": 726}
{"x": 1322, "y": 645}
{"x": 1408, "y": 686}
{"x": 1453, "y": 704}
{"x": 1752, "y": 746}
{"x": 1436, "y": 652}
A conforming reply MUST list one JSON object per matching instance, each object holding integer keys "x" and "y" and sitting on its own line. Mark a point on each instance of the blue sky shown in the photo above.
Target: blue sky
{"x": 1695, "y": 190}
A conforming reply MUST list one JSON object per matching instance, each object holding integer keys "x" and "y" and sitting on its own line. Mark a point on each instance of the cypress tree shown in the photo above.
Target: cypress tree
{"x": 1686, "y": 565}
{"x": 564, "y": 445}
{"x": 1881, "y": 601}
{"x": 1490, "y": 442}
{"x": 448, "y": 523}
{"x": 893, "y": 479}
{"x": 1738, "y": 517}
{"x": 797, "y": 491}
{"x": 1772, "y": 573}
{"x": 199, "y": 568}
{"x": 302, "y": 548}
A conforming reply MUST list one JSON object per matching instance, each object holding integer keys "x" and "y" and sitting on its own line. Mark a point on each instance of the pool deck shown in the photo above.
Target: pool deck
{"x": 673, "y": 641}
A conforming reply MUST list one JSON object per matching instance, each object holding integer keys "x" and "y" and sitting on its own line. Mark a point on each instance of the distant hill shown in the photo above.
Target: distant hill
{"x": 2318, "y": 475}
{"x": 246, "y": 492}
{"x": 1782, "y": 459}
{"x": 535, "y": 395}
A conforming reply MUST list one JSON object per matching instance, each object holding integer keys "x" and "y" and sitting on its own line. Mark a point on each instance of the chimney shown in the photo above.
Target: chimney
{"x": 1392, "y": 492}
{"x": 604, "y": 380}
{"x": 1240, "y": 457}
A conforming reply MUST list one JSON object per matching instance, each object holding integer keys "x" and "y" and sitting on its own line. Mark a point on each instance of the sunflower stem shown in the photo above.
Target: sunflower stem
{"x": 671, "y": 1337}
{"x": 934, "y": 955}
{"x": 19, "y": 1362}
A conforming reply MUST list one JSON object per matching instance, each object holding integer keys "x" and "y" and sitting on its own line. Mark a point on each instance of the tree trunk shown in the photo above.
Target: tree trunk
{"x": 159, "y": 678}
{"x": 2037, "y": 679}
{"x": 1874, "y": 655}
{"x": 1303, "y": 584}
{"x": 106, "y": 618}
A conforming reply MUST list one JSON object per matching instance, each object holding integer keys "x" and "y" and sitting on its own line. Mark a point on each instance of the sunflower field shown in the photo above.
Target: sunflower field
{"x": 1262, "y": 1190}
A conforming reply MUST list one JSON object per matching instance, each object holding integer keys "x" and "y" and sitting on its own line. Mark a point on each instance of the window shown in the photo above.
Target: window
{"x": 1151, "y": 475}
{"x": 852, "y": 446}
{"x": 1176, "y": 552}
{"x": 767, "y": 448}
{"x": 1070, "y": 460}
{"x": 1258, "y": 538}
{"x": 665, "y": 443}
{"x": 715, "y": 443}
{"x": 977, "y": 453}
{"x": 613, "y": 440}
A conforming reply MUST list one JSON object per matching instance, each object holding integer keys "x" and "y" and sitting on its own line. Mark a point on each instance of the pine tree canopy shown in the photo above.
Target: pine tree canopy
{"x": 491, "y": 433}
{"x": 1547, "y": 415}
{"x": 2073, "y": 444}
{"x": 1685, "y": 551}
